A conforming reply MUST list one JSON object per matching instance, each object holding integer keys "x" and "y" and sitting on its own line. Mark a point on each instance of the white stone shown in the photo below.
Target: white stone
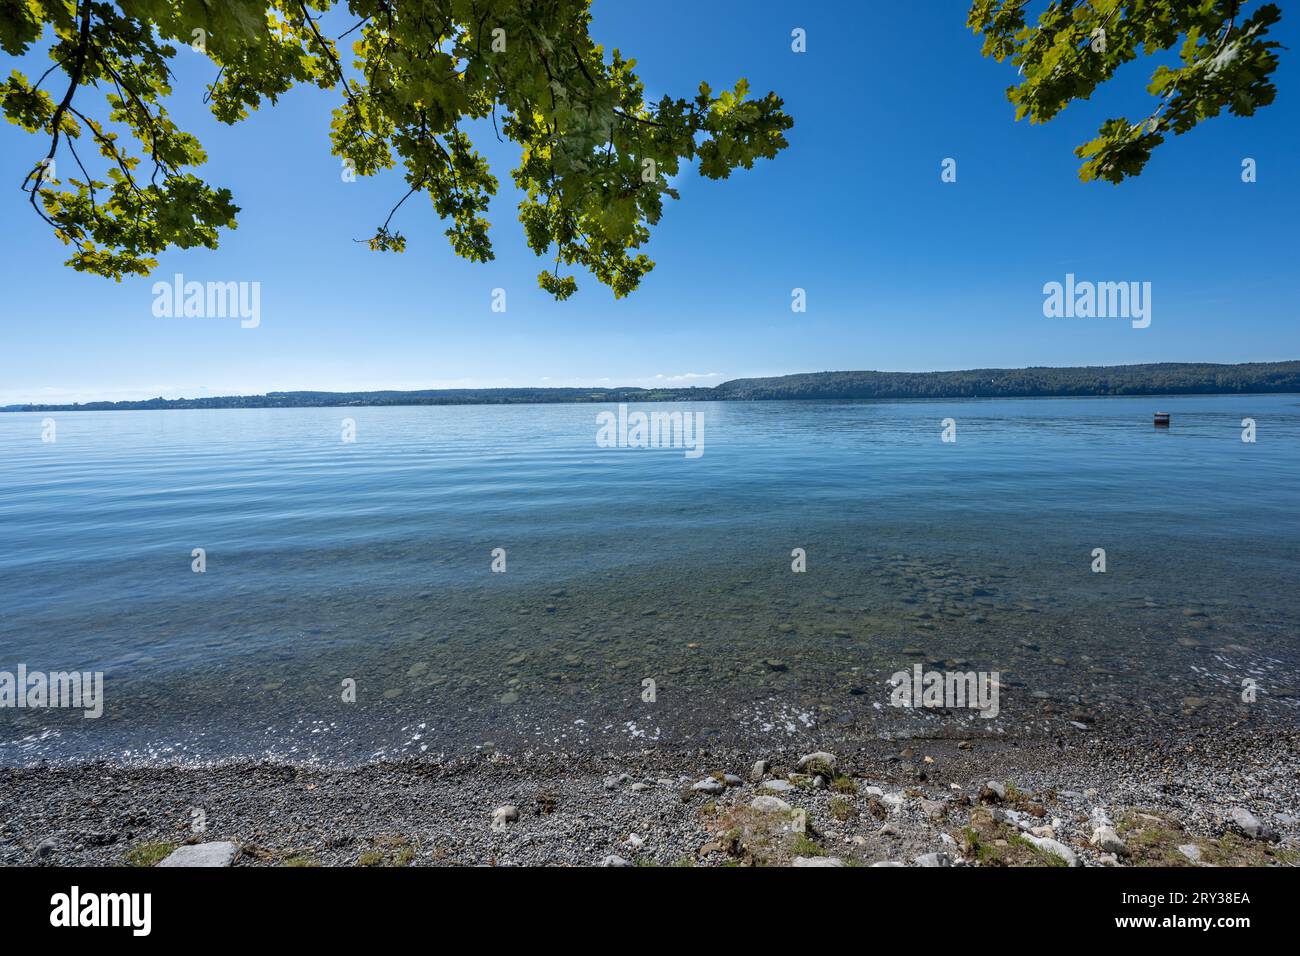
{"x": 1191, "y": 851}
{"x": 504, "y": 816}
{"x": 202, "y": 854}
{"x": 933, "y": 859}
{"x": 1249, "y": 824}
{"x": 1106, "y": 839}
{"x": 1055, "y": 848}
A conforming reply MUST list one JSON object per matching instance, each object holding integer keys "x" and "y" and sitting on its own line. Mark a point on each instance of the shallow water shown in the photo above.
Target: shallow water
{"x": 371, "y": 561}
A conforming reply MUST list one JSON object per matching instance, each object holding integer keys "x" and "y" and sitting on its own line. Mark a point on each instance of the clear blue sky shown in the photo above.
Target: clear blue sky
{"x": 902, "y": 271}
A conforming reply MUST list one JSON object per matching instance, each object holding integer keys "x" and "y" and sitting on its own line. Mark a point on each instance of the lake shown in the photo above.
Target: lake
{"x": 348, "y": 608}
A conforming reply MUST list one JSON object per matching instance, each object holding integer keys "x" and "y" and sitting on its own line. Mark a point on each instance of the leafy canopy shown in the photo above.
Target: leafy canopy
{"x": 596, "y": 158}
{"x": 1226, "y": 62}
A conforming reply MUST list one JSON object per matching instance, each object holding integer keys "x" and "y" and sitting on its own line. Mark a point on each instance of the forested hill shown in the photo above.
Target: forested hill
{"x": 1168, "y": 378}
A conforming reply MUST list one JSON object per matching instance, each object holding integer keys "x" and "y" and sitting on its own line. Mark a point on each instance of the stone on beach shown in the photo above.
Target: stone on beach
{"x": 818, "y": 762}
{"x": 220, "y": 853}
{"x": 1106, "y": 839}
{"x": 818, "y": 861}
{"x": 769, "y": 804}
{"x": 504, "y": 816}
{"x": 1054, "y": 847}
{"x": 993, "y": 792}
{"x": 1249, "y": 824}
{"x": 710, "y": 786}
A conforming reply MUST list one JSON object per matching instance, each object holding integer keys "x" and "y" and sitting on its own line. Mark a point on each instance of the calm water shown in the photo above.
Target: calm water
{"x": 371, "y": 562}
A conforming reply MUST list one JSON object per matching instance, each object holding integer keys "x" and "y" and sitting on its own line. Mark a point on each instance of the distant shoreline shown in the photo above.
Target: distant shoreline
{"x": 1158, "y": 379}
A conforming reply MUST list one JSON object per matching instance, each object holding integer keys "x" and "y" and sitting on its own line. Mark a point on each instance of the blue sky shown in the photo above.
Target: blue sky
{"x": 902, "y": 271}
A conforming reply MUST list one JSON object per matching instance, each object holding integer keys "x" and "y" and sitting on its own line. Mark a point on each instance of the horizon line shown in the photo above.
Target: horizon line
{"x": 598, "y": 392}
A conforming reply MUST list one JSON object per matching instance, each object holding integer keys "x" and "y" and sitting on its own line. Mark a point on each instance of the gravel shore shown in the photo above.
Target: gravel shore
{"x": 1228, "y": 797}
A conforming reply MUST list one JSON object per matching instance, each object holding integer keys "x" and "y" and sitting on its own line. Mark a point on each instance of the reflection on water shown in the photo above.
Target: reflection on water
{"x": 370, "y": 561}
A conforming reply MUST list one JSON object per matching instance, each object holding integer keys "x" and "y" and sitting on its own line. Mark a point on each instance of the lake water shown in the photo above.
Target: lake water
{"x": 329, "y": 562}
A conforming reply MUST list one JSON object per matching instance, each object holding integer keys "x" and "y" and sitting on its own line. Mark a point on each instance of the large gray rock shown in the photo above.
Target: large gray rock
{"x": 818, "y": 762}
{"x": 818, "y": 861}
{"x": 1054, "y": 847}
{"x": 1249, "y": 824}
{"x": 1105, "y": 838}
{"x": 933, "y": 859}
{"x": 709, "y": 785}
{"x": 768, "y": 804}
{"x": 502, "y": 817}
{"x": 780, "y": 786}
{"x": 218, "y": 853}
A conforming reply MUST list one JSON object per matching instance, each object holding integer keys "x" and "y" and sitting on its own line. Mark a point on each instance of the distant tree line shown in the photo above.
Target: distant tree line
{"x": 1166, "y": 378}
